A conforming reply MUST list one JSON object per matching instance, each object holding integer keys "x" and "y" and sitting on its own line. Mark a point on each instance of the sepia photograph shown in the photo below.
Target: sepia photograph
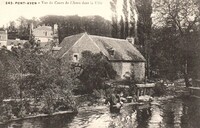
{"x": 99, "y": 63}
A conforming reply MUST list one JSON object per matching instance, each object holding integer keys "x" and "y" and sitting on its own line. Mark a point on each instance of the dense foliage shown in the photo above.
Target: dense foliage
{"x": 166, "y": 33}
{"x": 96, "y": 70}
{"x": 71, "y": 25}
{"x": 6, "y": 68}
{"x": 175, "y": 38}
{"x": 115, "y": 26}
{"x": 37, "y": 83}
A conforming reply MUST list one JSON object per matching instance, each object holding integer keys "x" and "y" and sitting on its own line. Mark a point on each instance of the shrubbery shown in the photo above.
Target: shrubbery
{"x": 160, "y": 89}
{"x": 39, "y": 77}
{"x": 94, "y": 71}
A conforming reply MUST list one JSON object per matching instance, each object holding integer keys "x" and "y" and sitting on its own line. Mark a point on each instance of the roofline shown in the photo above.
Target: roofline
{"x": 127, "y": 61}
{"x": 85, "y": 33}
{"x": 109, "y": 38}
{"x": 119, "y": 40}
{"x": 16, "y": 40}
{"x": 96, "y": 45}
{"x": 44, "y": 36}
{"x": 74, "y": 35}
{"x": 39, "y": 27}
{"x": 42, "y": 29}
{"x": 72, "y": 46}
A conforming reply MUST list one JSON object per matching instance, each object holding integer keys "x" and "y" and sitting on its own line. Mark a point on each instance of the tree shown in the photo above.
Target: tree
{"x": 6, "y": 69}
{"x": 51, "y": 20}
{"x": 183, "y": 15}
{"x": 96, "y": 69}
{"x": 122, "y": 36}
{"x": 133, "y": 24}
{"x": 144, "y": 29}
{"x": 23, "y": 29}
{"x": 115, "y": 28}
{"x": 71, "y": 25}
{"x": 196, "y": 68}
{"x": 12, "y": 30}
{"x": 125, "y": 11}
{"x": 144, "y": 20}
{"x": 165, "y": 56}
{"x": 96, "y": 25}
{"x": 40, "y": 76}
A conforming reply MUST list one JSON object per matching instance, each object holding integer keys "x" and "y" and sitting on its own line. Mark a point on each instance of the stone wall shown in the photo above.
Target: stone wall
{"x": 139, "y": 71}
{"x": 3, "y": 38}
{"x": 3, "y": 43}
{"x": 126, "y": 68}
{"x": 117, "y": 66}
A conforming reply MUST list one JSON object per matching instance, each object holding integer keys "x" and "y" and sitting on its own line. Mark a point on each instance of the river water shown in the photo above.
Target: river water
{"x": 173, "y": 113}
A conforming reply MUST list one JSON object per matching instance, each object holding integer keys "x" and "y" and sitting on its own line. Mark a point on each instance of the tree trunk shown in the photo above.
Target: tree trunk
{"x": 187, "y": 82}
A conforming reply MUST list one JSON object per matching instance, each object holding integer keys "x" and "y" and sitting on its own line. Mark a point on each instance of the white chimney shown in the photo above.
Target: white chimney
{"x": 131, "y": 40}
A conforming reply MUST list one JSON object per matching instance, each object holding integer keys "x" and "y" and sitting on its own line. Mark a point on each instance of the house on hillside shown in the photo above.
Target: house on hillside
{"x": 121, "y": 53}
{"x": 3, "y": 38}
{"x": 45, "y": 34}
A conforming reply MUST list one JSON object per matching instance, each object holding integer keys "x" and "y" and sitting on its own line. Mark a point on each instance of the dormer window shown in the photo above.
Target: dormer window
{"x": 75, "y": 57}
{"x": 111, "y": 51}
{"x": 45, "y": 33}
{"x": 130, "y": 40}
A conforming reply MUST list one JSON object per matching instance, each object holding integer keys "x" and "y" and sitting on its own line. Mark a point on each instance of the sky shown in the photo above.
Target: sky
{"x": 10, "y": 10}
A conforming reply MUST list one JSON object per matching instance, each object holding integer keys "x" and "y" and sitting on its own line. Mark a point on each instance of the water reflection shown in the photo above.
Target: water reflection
{"x": 176, "y": 113}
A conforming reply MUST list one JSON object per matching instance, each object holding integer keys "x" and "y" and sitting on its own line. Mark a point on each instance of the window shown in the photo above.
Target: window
{"x": 111, "y": 51}
{"x": 45, "y": 33}
{"x": 75, "y": 57}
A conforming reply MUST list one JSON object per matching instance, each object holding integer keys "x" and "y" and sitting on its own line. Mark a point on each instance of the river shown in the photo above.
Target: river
{"x": 173, "y": 113}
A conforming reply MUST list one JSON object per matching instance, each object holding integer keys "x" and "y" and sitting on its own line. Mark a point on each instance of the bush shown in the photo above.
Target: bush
{"x": 159, "y": 89}
{"x": 95, "y": 70}
{"x": 98, "y": 94}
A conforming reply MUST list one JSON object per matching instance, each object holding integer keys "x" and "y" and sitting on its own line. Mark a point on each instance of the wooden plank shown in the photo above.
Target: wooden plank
{"x": 195, "y": 96}
{"x": 147, "y": 85}
{"x": 196, "y": 88}
{"x": 197, "y": 80}
{"x": 39, "y": 115}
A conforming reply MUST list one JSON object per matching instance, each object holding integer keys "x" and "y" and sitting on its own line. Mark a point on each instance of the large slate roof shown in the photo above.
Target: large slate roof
{"x": 123, "y": 50}
{"x": 46, "y": 28}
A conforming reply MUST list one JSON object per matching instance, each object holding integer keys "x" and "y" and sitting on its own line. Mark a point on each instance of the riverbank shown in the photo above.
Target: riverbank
{"x": 21, "y": 109}
{"x": 39, "y": 115}
{"x": 169, "y": 112}
{"x": 89, "y": 102}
